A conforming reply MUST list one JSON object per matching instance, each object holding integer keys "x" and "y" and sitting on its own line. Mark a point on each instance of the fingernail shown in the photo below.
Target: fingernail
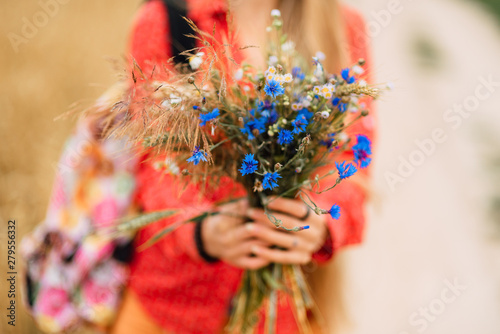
{"x": 249, "y": 226}
{"x": 255, "y": 249}
{"x": 250, "y": 212}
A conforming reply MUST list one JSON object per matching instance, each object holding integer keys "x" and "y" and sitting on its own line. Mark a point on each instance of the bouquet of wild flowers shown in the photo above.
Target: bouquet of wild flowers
{"x": 268, "y": 131}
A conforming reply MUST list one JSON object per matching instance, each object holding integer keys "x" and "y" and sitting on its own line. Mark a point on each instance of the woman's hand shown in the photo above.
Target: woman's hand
{"x": 296, "y": 247}
{"x": 227, "y": 237}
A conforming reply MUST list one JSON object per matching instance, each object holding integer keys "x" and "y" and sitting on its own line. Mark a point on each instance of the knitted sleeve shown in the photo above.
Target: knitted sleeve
{"x": 149, "y": 42}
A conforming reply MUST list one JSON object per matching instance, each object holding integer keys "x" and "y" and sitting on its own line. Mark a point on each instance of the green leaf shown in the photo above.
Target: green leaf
{"x": 144, "y": 220}
{"x": 167, "y": 230}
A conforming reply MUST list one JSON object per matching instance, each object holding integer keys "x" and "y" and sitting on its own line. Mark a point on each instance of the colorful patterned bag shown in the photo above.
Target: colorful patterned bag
{"x": 75, "y": 270}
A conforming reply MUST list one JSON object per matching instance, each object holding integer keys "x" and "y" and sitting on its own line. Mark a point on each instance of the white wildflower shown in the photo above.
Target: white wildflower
{"x": 343, "y": 136}
{"x": 273, "y": 60}
{"x": 172, "y": 167}
{"x": 320, "y": 56}
{"x": 196, "y": 61}
{"x": 174, "y": 99}
{"x": 288, "y": 78}
{"x": 238, "y": 75}
{"x": 358, "y": 69}
{"x": 288, "y": 46}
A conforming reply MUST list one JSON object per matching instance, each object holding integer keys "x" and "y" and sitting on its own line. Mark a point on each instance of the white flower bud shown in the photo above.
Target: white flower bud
{"x": 273, "y": 60}
{"x": 275, "y": 13}
{"x": 320, "y": 55}
{"x": 288, "y": 46}
{"x": 358, "y": 69}
{"x": 238, "y": 75}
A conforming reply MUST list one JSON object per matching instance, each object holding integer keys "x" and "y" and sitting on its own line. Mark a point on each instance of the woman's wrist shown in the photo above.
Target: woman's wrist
{"x": 200, "y": 245}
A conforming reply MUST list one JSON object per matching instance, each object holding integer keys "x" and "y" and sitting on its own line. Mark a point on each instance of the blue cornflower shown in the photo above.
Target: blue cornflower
{"x": 334, "y": 211}
{"x": 198, "y": 155}
{"x": 345, "y": 75}
{"x": 270, "y": 180}
{"x": 272, "y": 118}
{"x": 267, "y": 110}
{"x": 274, "y": 88}
{"x": 255, "y": 124}
{"x": 328, "y": 142}
{"x": 249, "y": 165}
{"x": 285, "y": 137}
{"x": 209, "y": 116}
{"x": 336, "y": 102}
{"x": 306, "y": 113}
{"x": 362, "y": 151}
{"x": 265, "y": 107}
{"x": 299, "y": 124}
{"x": 297, "y": 73}
{"x": 345, "y": 171}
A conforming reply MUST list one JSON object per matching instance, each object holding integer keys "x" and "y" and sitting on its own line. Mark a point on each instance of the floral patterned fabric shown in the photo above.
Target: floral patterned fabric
{"x": 71, "y": 274}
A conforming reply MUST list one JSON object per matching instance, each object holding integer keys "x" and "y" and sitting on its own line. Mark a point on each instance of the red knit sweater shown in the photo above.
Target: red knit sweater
{"x": 179, "y": 290}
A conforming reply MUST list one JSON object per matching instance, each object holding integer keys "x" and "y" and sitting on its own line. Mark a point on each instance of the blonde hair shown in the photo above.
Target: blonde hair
{"x": 316, "y": 25}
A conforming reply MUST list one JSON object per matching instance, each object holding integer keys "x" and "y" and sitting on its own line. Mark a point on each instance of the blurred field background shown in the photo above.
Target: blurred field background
{"x": 441, "y": 224}
{"x": 64, "y": 62}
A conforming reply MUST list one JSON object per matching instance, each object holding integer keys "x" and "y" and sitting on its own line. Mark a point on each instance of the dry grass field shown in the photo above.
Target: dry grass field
{"x": 43, "y": 71}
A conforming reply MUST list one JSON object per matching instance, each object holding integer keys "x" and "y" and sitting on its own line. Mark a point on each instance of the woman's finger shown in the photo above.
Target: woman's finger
{"x": 292, "y": 207}
{"x": 272, "y": 236}
{"x": 258, "y": 215}
{"x": 251, "y": 263}
{"x": 244, "y": 249}
{"x": 234, "y": 212}
{"x": 309, "y": 240}
{"x": 241, "y": 232}
{"x": 282, "y": 256}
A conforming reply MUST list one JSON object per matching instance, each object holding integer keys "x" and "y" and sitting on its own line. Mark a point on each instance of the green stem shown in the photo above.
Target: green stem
{"x": 330, "y": 188}
{"x": 221, "y": 142}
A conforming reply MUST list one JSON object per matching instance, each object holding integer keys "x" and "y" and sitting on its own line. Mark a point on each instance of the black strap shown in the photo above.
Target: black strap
{"x": 179, "y": 28}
